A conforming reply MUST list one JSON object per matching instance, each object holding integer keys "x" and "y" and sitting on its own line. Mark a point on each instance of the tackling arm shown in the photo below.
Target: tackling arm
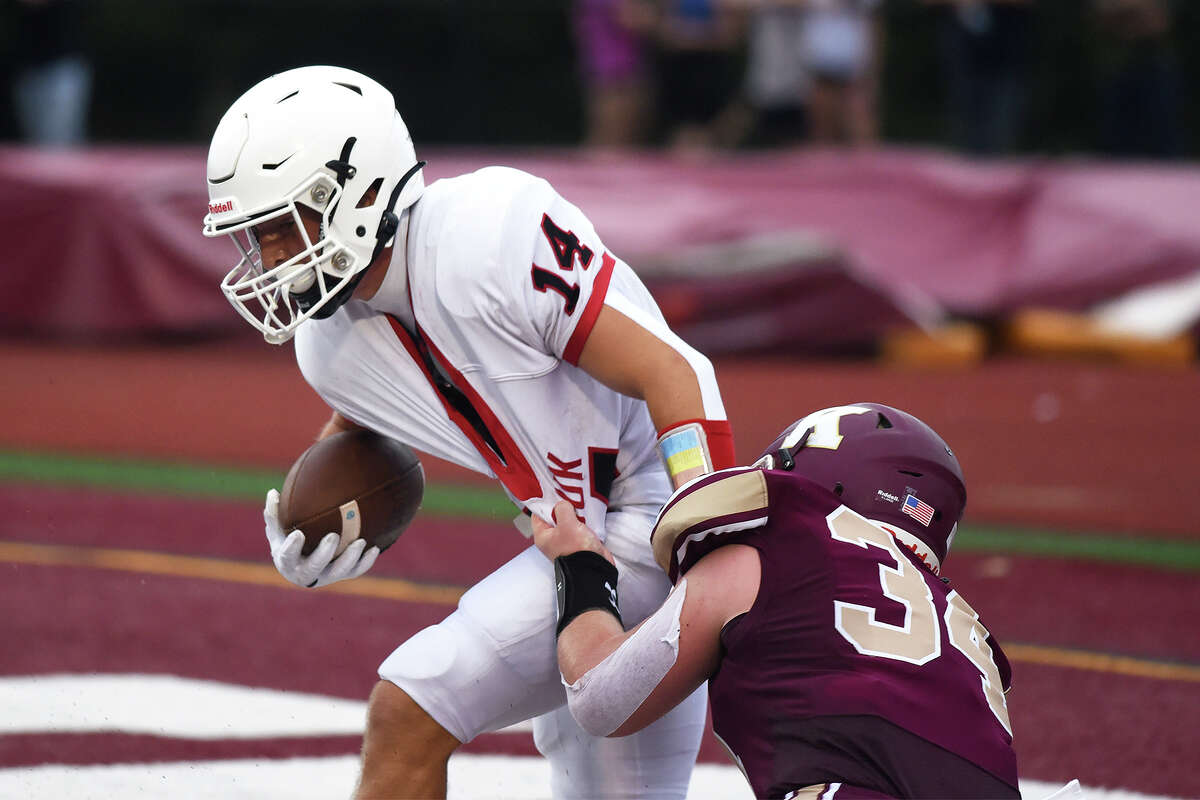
{"x": 618, "y": 682}
{"x": 635, "y": 354}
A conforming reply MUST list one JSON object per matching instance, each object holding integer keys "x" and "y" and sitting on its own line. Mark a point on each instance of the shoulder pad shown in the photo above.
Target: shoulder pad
{"x": 728, "y": 500}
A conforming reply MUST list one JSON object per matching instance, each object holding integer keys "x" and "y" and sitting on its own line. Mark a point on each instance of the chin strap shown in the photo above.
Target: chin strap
{"x": 343, "y": 170}
{"x": 389, "y": 223}
{"x": 335, "y": 301}
{"x": 784, "y": 458}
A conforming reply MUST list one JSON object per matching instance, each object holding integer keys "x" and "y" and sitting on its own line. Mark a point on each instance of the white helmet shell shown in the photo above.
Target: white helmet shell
{"x": 321, "y": 137}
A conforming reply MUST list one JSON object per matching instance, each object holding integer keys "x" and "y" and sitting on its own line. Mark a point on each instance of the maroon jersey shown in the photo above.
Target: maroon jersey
{"x": 856, "y": 663}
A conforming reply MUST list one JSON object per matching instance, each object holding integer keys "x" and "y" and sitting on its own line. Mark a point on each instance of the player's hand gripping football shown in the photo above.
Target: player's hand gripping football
{"x": 567, "y": 535}
{"x": 319, "y": 568}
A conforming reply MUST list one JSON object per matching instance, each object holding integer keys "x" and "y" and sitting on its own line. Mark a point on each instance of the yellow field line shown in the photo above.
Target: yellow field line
{"x": 1100, "y": 662}
{"x": 181, "y": 566}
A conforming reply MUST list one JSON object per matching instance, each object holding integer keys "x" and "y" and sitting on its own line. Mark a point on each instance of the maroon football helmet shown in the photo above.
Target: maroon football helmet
{"x": 882, "y": 463}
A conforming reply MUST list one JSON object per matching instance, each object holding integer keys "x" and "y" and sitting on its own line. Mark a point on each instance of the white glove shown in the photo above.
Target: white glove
{"x": 319, "y": 568}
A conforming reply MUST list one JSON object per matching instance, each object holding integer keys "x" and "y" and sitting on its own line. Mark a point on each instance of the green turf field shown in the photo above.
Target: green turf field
{"x": 226, "y": 483}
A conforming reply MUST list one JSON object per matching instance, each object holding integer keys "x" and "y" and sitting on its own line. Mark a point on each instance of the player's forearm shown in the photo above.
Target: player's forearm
{"x": 617, "y": 683}
{"x": 679, "y": 386}
{"x": 635, "y": 353}
{"x": 694, "y": 436}
{"x": 589, "y": 639}
{"x": 675, "y": 393}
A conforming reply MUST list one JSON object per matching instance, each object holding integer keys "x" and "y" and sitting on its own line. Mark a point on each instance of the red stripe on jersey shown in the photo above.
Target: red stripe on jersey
{"x": 592, "y": 310}
{"x": 510, "y": 466}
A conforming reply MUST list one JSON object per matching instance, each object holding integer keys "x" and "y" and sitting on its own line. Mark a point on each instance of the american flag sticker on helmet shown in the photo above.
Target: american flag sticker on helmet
{"x": 920, "y": 511}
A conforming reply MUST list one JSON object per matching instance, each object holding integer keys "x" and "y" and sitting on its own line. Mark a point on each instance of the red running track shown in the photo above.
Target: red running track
{"x": 1069, "y": 445}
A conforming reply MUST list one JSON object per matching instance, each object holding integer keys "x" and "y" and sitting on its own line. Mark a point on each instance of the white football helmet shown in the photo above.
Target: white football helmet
{"x": 321, "y": 137}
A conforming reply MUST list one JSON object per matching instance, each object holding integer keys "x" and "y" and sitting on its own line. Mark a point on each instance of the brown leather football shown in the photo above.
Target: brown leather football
{"x": 354, "y": 483}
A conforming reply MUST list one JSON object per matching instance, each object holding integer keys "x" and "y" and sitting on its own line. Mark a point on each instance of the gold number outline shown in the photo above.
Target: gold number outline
{"x": 911, "y": 642}
{"x": 918, "y": 641}
{"x": 968, "y": 635}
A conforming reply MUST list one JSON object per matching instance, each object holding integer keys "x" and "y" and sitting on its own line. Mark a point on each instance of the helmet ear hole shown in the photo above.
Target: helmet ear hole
{"x": 372, "y": 192}
{"x": 838, "y": 488}
{"x": 883, "y": 421}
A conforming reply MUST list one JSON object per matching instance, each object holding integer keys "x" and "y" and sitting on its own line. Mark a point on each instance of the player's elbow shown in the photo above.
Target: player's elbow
{"x": 611, "y": 698}
{"x": 631, "y": 726}
{"x": 593, "y": 714}
{"x": 602, "y": 718}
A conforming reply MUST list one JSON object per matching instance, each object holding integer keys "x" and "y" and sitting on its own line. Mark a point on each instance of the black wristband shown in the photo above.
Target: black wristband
{"x": 585, "y": 581}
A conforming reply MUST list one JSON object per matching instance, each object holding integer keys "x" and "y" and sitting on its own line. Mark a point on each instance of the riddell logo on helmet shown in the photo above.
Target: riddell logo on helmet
{"x": 220, "y": 207}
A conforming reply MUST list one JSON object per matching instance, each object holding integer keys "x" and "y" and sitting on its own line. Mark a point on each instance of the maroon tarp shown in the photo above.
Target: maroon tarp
{"x": 744, "y": 252}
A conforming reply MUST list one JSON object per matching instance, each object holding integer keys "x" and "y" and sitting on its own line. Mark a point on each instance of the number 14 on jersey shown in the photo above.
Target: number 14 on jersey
{"x": 567, "y": 252}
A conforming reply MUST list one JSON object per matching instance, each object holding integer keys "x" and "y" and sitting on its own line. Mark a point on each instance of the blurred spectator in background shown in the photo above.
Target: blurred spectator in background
{"x": 1140, "y": 100}
{"x": 698, "y": 44}
{"x": 812, "y": 73}
{"x": 777, "y": 85}
{"x": 842, "y": 46}
{"x": 771, "y": 109}
{"x": 614, "y": 62}
{"x": 52, "y": 77}
{"x": 986, "y": 50}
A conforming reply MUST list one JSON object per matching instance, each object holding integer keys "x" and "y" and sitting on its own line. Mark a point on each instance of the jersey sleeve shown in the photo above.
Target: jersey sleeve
{"x": 519, "y": 266}
{"x": 567, "y": 279}
{"x": 691, "y": 522}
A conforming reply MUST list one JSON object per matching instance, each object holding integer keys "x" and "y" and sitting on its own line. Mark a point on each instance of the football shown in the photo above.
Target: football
{"x": 355, "y": 483}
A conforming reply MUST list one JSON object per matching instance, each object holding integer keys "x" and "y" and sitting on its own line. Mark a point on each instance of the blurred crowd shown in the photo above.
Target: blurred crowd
{"x": 704, "y": 74}
{"x": 51, "y": 73}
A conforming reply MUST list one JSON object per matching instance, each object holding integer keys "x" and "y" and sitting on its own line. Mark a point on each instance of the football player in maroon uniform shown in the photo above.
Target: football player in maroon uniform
{"x": 808, "y": 594}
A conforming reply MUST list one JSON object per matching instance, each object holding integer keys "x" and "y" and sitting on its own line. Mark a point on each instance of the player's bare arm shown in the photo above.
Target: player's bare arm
{"x": 626, "y": 357}
{"x": 670, "y": 376}
{"x": 677, "y": 648}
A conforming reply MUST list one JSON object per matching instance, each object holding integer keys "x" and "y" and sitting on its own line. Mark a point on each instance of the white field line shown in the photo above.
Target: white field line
{"x": 165, "y": 705}
{"x": 471, "y": 776}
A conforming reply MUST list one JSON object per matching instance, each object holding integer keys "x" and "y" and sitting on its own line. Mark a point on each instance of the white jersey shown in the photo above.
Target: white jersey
{"x": 506, "y": 279}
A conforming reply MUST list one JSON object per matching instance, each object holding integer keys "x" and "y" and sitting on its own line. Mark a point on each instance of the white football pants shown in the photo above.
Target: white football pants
{"x": 493, "y": 663}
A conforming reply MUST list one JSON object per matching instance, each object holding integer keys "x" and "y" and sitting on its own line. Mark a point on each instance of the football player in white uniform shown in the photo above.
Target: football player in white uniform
{"x": 480, "y": 320}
